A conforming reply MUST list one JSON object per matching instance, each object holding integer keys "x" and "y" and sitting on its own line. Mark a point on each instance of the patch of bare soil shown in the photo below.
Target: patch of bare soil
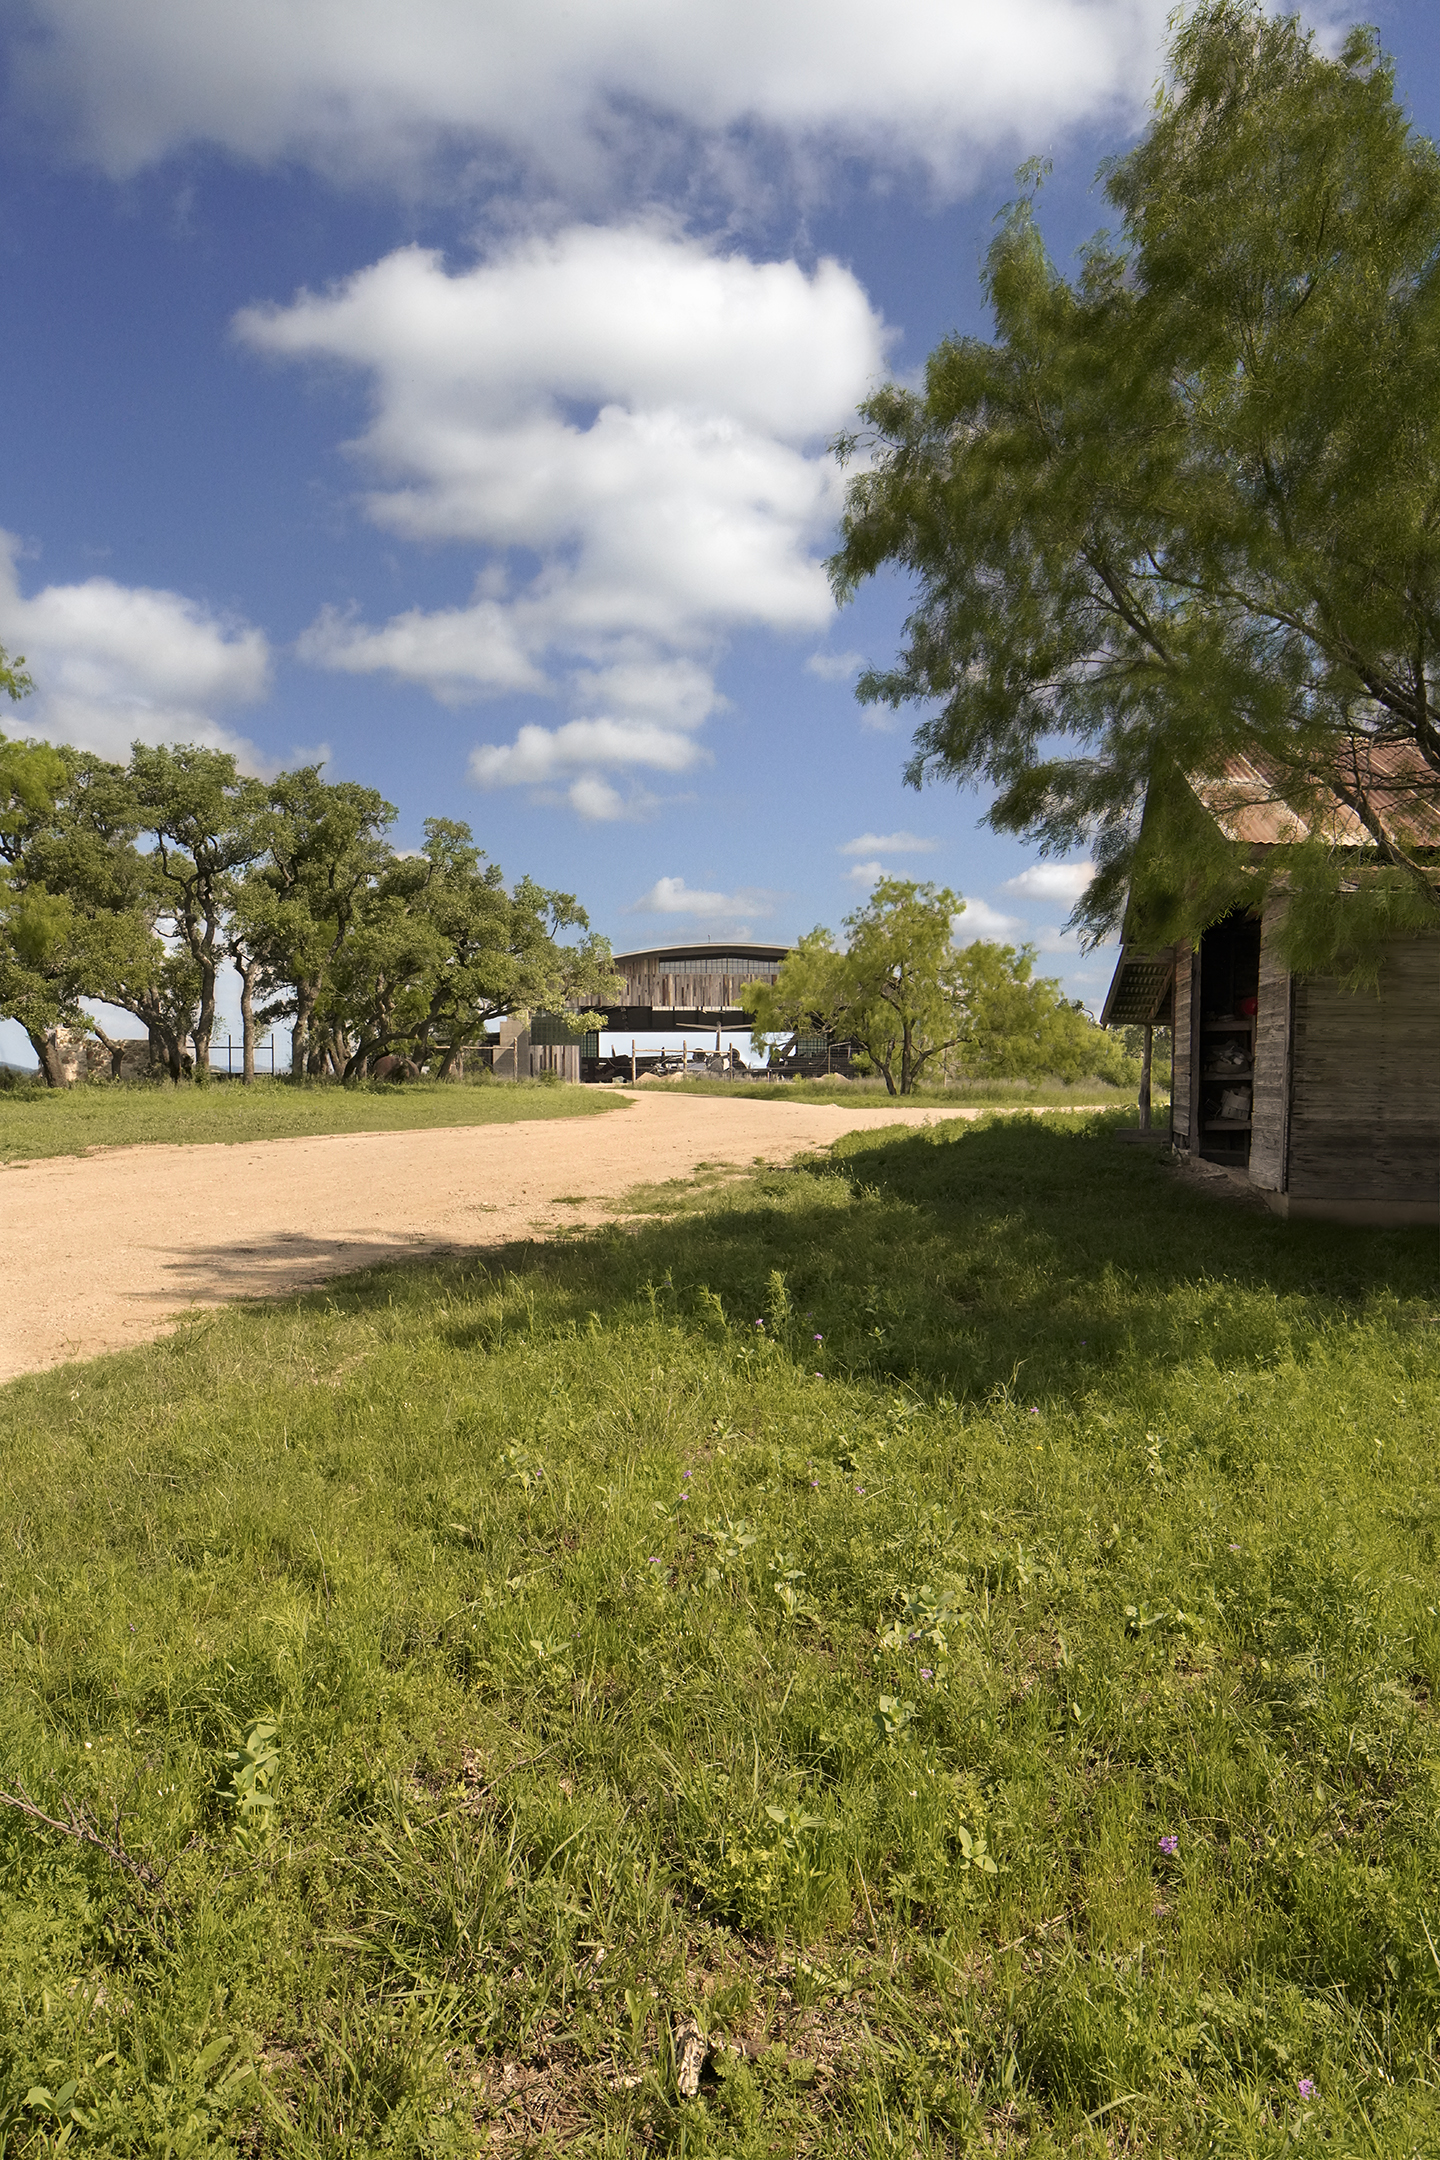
{"x": 105, "y": 1251}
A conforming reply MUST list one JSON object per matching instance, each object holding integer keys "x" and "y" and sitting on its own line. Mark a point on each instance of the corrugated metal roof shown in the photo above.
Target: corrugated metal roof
{"x": 1140, "y": 991}
{"x": 723, "y": 953}
{"x": 1247, "y": 801}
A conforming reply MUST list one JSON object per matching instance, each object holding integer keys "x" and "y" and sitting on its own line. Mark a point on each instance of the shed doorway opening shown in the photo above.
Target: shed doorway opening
{"x": 1229, "y": 1001}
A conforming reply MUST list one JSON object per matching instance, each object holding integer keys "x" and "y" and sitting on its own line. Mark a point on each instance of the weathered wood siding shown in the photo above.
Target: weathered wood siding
{"x": 1180, "y": 1100}
{"x": 1271, "y": 1090}
{"x": 690, "y": 993}
{"x": 1365, "y": 1083}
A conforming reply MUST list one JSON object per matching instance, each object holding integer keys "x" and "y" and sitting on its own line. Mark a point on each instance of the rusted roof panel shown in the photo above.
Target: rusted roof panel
{"x": 1247, "y": 802}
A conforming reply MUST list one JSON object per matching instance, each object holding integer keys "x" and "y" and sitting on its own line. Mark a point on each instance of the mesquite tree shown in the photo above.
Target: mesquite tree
{"x": 1182, "y": 507}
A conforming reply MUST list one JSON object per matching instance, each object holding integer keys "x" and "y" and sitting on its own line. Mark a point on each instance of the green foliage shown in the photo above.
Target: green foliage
{"x": 909, "y": 996}
{"x": 894, "y": 990}
{"x": 254, "y": 1768}
{"x": 363, "y": 950}
{"x": 1109, "y": 1519}
{"x": 440, "y": 948}
{"x": 1181, "y": 507}
{"x": 13, "y": 680}
{"x": 206, "y": 822}
{"x": 1018, "y": 1025}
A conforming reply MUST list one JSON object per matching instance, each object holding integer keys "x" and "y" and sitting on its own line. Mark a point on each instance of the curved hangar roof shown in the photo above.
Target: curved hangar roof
{"x": 666, "y": 983}
{"x": 715, "y": 958}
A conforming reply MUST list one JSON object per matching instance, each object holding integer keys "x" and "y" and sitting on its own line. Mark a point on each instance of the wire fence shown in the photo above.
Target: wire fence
{"x": 229, "y": 1056}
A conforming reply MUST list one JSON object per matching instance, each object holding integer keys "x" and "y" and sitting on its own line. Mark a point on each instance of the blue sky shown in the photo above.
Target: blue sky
{"x": 444, "y": 390}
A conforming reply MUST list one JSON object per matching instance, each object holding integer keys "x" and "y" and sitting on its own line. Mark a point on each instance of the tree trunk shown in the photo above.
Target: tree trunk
{"x": 205, "y": 1021}
{"x": 360, "y": 1058}
{"x": 116, "y": 1049}
{"x": 47, "y": 1052}
{"x": 1145, "y": 1078}
{"x": 305, "y": 995}
{"x": 247, "y": 1025}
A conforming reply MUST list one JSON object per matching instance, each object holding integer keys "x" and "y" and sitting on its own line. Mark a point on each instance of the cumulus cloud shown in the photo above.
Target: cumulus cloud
{"x": 672, "y": 896}
{"x": 981, "y": 921}
{"x": 1051, "y": 881}
{"x": 114, "y": 664}
{"x": 893, "y": 843}
{"x": 865, "y": 874}
{"x": 639, "y": 415}
{"x": 454, "y": 652}
{"x": 580, "y": 95}
{"x": 539, "y": 754}
{"x": 835, "y": 666}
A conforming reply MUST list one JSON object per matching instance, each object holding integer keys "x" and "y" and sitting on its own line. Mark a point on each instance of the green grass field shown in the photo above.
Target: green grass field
{"x": 36, "y": 1121}
{"x": 1030, "y": 1094}
{"x": 958, "y": 1621}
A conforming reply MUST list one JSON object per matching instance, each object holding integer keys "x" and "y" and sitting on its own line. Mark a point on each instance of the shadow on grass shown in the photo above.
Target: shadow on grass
{"x": 963, "y": 1259}
{"x": 271, "y": 1267}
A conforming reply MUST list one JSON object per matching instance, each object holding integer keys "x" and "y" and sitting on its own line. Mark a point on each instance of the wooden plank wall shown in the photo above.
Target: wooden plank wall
{"x": 1182, "y": 1091}
{"x": 1365, "y": 1086}
{"x": 688, "y": 993}
{"x": 1271, "y": 1092}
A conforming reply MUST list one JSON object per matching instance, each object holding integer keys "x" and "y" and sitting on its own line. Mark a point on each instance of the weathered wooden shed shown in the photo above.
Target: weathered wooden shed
{"x": 1326, "y": 1100}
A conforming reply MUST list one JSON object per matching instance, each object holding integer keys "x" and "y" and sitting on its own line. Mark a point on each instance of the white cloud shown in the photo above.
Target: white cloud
{"x": 580, "y": 95}
{"x": 981, "y": 921}
{"x": 894, "y": 843}
{"x": 835, "y": 666}
{"x": 540, "y": 754}
{"x": 865, "y": 874}
{"x": 114, "y": 664}
{"x": 455, "y": 652}
{"x": 1051, "y": 881}
{"x": 595, "y": 799}
{"x": 672, "y": 896}
{"x": 643, "y": 416}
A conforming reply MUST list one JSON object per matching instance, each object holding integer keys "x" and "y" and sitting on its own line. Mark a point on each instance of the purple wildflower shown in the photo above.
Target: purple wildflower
{"x": 925, "y": 1673}
{"x": 819, "y": 1338}
{"x": 1169, "y": 1845}
{"x": 1307, "y": 2088}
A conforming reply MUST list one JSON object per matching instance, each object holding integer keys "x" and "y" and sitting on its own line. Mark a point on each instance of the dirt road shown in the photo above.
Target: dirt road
{"x": 102, "y": 1252}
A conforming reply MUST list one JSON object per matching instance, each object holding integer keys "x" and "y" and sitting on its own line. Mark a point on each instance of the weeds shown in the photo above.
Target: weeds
{"x": 947, "y": 1636}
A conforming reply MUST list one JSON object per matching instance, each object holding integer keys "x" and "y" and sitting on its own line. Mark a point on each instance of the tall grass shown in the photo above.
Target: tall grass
{"x": 1037, "y": 1094}
{"x": 956, "y": 1621}
{"x": 36, "y": 1121}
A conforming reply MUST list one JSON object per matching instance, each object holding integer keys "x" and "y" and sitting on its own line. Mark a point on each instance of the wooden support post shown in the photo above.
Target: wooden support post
{"x": 1145, "y": 1077}
{"x": 632, "y": 1061}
